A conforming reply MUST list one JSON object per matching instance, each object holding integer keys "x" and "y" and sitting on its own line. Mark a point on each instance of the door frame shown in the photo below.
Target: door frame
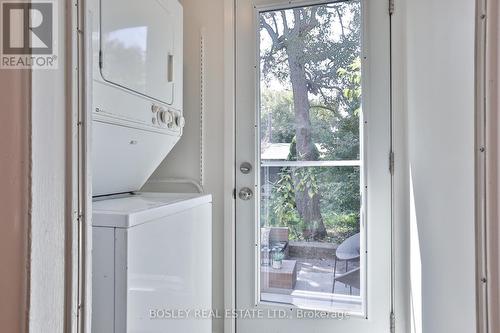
{"x": 400, "y": 184}
{"x": 486, "y": 165}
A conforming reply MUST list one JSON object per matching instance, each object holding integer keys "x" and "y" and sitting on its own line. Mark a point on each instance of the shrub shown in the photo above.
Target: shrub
{"x": 341, "y": 226}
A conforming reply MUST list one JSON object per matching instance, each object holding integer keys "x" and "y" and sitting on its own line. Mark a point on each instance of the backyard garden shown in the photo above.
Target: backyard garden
{"x": 311, "y": 148}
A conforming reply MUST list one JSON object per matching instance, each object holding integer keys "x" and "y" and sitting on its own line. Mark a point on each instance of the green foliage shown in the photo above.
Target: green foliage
{"x": 284, "y": 208}
{"x": 352, "y": 79}
{"x": 339, "y": 186}
{"x": 332, "y": 65}
{"x": 341, "y": 227}
{"x": 329, "y": 41}
{"x": 340, "y": 190}
{"x": 277, "y": 117}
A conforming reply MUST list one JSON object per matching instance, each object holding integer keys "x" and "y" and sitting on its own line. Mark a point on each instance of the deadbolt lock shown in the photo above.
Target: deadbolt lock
{"x": 245, "y": 168}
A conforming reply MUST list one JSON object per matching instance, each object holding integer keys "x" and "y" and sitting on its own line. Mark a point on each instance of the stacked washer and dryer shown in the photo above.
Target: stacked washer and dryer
{"x": 151, "y": 251}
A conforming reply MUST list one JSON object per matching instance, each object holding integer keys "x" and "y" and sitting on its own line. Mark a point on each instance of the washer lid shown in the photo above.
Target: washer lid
{"x": 142, "y": 207}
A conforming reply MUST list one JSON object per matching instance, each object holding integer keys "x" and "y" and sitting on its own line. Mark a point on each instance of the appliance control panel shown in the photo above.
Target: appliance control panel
{"x": 115, "y": 105}
{"x": 166, "y": 118}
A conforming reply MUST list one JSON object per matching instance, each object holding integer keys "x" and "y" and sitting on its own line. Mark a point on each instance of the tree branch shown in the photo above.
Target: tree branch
{"x": 277, "y": 41}
{"x": 319, "y": 106}
{"x": 341, "y": 22}
{"x": 273, "y": 15}
{"x": 286, "y": 29}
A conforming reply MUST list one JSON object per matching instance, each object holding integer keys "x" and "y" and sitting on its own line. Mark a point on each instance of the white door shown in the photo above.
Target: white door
{"x": 313, "y": 212}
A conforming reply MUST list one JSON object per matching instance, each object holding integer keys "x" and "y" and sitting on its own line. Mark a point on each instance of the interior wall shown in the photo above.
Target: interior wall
{"x": 184, "y": 160}
{"x": 48, "y": 208}
{"x": 440, "y": 105}
{"x": 14, "y": 199}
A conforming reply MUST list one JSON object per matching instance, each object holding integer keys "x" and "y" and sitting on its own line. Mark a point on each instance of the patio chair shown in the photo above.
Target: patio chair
{"x": 348, "y": 251}
{"x": 350, "y": 278}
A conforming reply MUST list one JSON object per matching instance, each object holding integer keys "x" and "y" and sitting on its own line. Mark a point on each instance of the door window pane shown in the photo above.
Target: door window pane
{"x": 311, "y": 156}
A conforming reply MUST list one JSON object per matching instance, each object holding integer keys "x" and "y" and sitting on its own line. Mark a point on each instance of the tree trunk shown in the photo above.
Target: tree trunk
{"x": 308, "y": 206}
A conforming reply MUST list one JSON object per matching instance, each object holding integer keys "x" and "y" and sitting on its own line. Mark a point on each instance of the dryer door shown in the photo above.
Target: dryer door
{"x": 140, "y": 46}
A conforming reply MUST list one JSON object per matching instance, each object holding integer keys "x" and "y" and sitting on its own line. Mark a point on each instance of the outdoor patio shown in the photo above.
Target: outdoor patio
{"x": 307, "y": 267}
{"x": 317, "y": 275}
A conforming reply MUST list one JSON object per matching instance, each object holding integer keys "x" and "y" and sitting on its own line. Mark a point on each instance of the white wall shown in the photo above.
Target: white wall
{"x": 50, "y": 182}
{"x": 440, "y": 105}
{"x": 48, "y": 206}
{"x": 183, "y": 161}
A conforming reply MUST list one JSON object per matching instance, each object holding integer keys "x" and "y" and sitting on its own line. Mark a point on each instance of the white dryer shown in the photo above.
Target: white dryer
{"x": 137, "y": 89}
{"x": 152, "y": 254}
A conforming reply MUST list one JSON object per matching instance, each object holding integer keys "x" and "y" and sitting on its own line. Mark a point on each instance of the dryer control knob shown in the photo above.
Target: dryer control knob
{"x": 165, "y": 117}
{"x": 180, "y": 121}
{"x": 171, "y": 119}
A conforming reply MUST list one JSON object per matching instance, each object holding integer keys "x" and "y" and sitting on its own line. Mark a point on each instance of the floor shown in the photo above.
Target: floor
{"x": 314, "y": 286}
{"x": 317, "y": 275}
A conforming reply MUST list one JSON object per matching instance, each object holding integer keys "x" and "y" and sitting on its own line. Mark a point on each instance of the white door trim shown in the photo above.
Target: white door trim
{"x": 400, "y": 178}
{"x": 493, "y": 102}
{"x": 481, "y": 173}
{"x": 229, "y": 163}
{"x": 53, "y": 262}
{"x": 486, "y": 155}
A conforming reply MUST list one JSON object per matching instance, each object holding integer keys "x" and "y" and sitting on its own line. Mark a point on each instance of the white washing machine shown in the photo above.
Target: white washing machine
{"x": 152, "y": 254}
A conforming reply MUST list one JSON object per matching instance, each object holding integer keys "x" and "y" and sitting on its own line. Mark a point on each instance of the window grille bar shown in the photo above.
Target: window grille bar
{"x": 354, "y": 163}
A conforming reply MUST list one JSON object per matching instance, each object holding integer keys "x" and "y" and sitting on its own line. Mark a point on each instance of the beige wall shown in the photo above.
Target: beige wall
{"x": 184, "y": 160}
{"x": 14, "y": 199}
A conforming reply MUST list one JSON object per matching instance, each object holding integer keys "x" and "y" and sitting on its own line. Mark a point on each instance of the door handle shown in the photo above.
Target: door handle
{"x": 245, "y": 194}
{"x": 170, "y": 68}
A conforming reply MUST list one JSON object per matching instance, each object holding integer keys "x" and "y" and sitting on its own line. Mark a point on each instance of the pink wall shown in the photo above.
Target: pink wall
{"x": 14, "y": 199}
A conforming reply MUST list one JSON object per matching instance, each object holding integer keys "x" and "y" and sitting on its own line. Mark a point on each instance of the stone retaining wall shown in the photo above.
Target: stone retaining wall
{"x": 312, "y": 250}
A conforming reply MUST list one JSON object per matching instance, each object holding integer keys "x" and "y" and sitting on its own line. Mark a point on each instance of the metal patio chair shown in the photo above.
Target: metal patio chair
{"x": 350, "y": 278}
{"x": 348, "y": 251}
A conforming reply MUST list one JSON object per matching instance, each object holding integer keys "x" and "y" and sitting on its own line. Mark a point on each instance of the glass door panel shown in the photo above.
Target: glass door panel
{"x": 310, "y": 156}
